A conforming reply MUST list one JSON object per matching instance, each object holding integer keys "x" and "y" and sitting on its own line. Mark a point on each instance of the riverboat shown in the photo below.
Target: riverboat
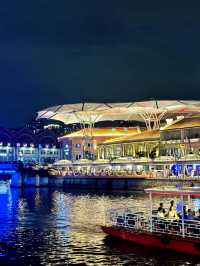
{"x": 146, "y": 228}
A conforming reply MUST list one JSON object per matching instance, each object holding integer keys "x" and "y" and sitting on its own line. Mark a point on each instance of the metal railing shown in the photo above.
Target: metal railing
{"x": 141, "y": 221}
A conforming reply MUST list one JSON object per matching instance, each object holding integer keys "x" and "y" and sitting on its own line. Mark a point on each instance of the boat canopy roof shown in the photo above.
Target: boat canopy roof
{"x": 174, "y": 191}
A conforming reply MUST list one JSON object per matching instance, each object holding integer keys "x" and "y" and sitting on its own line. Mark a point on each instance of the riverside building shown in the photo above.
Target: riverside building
{"x": 83, "y": 143}
{"x": 173, "y": 148}
{"x": 178, "y": 139}
{"x": 26, "y": 146}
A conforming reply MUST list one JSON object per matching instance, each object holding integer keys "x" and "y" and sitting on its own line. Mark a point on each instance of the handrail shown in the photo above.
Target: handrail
{"x": 140, "y": 221}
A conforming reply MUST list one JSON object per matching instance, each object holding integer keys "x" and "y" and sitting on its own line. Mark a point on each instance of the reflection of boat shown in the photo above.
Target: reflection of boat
{"x": 148, "y": 229}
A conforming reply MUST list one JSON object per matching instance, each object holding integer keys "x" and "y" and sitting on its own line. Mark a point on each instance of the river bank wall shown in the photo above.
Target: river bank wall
{"x": 96, "y": 183}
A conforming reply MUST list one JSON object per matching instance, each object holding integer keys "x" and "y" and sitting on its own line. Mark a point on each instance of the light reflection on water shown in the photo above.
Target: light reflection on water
{"x": 45, "y": 227}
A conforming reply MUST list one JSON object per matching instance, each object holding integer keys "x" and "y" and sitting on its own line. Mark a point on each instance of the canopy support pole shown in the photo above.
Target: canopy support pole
{"x": 189, "y": 201}
{"x": 151, "y": 209}
{"x": 183, "y": 224}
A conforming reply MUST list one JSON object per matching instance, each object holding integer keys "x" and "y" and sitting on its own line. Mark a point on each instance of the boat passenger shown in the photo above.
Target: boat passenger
{"x": 161, "y": 214}
{"x": 190, "y": 215}
{"x": 198, "y": 216}
{"x": 185, "y": 214}
{"x": 172, "y": 203}
{"x": 172, "y": 213}
{"x": 161, "y": 211}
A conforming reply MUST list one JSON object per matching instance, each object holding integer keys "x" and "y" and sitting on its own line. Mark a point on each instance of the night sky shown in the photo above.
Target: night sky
{"x": 59, "y": 51}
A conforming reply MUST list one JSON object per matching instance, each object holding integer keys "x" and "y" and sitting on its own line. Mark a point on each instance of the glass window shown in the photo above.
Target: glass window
{"x": 171, "y": 135}
{"x": 192, "y": 133}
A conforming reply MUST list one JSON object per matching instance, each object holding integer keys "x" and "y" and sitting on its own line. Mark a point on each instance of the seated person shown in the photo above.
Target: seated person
{"x": 185, "y": 214}
{"x": 198, "y": 215}
{"x": 172, "y": 213}
{"x": 172, "y": 204}
{"x": 190, "y": 215}
{"x": 161, "y": 211}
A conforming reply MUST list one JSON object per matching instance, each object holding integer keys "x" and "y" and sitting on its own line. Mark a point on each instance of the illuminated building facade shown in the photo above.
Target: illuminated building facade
{"x": 181, "y": 137}
{"x": 26, "y": 146}
{"x": 177, "y": 139}
{"x": 144, "y": 144}
{"x": 83, "y": 143}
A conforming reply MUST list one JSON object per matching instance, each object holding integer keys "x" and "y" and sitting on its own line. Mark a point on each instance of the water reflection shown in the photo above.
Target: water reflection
{"x": 46, "y": 227}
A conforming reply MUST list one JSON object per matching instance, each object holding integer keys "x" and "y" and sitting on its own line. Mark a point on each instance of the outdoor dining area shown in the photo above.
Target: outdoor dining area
{"x": 160, "y": 168}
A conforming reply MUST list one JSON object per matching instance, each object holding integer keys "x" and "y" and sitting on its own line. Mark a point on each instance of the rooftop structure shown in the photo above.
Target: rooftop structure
{"x": 151, "y": 112}
{"x": 100, "y": 132}
{"x": 185, "y": 122}
{"x": 113, "y": 144}
{"x": 142, "y": 136}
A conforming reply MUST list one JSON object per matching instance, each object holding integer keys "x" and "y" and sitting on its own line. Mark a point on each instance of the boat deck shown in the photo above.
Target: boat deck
{"x": 141, "y": 222}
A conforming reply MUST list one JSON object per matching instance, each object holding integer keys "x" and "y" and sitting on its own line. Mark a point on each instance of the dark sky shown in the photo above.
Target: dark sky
{"x": 61, "y": 51}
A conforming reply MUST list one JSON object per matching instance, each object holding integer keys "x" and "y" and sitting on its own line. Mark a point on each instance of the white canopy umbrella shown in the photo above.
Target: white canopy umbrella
{"x": 149, "y": 111}
{"x": 86, "y": 113}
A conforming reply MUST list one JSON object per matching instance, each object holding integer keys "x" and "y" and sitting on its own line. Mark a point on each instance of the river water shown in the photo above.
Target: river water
{"x": 51, "y": 227}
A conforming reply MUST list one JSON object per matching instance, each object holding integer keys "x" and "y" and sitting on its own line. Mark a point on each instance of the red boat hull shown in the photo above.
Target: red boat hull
{"x": 169, "y": 242}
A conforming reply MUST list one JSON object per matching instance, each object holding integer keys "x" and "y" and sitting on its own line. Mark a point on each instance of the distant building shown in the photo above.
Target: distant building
{"x": 83, "y": 143}
{"x": 58, "y": 127}
{"x": 28, "y": 146}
